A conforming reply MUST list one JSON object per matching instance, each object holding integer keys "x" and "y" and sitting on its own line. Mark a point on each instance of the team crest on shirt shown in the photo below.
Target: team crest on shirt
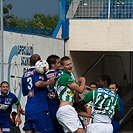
{"x": 70, "y": 92}
{"x": 8, "y": 100}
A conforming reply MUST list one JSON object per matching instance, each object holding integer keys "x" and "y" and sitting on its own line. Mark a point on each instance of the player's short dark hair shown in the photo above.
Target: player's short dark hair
{"x": 115, "y": 84}
{"x": 4, "y": 82}
{"x": 52, "y": 60}
{"x": 65, "y": 58}
{"x": 34, "y": 58}
{"x": 93, "y": 83}
{"x": 106, "y": 77}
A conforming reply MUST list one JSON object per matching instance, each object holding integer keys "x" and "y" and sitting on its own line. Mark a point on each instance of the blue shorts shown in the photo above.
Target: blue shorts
{"x": 53, "y": 107}
{"x": 40, "y": 122}
{"x": 5, "y": 124}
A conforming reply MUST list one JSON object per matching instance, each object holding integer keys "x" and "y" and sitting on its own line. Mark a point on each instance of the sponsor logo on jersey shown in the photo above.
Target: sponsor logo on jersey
{"x": 29, "y": 73}
{"x": 8, "y": 100}
{"x": 108, "y": 92}
{"x": 51, "y": 75}
{"x": 6, "y": 129}
{"x": 3, "y": 106}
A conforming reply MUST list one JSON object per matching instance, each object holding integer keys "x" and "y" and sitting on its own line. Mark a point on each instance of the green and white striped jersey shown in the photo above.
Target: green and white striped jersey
{"x": 104, "y": 101}
{"x": 63, "y": 91}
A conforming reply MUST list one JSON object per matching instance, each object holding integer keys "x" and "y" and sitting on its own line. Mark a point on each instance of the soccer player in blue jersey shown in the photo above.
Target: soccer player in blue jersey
{"x": 53, "y": 101}
{"x": 7, "y": 99}
{"x": 37, "y": 117}
{"x": 105, "y": 106}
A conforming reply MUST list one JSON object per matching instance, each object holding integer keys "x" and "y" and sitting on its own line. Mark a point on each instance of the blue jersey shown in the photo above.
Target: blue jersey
{"x": 50, "y": 88}
{"x": 6, "y": 103}
{"x": 36, "y": 97}
{"x": 53, "y": 100}
{"x": 115, "y": 122}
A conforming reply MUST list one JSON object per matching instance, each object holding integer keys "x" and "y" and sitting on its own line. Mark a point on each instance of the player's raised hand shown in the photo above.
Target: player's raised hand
{"x": 81, "y": 79}
{"x": 22, "y": 112}
{"x": 18, "y": 120}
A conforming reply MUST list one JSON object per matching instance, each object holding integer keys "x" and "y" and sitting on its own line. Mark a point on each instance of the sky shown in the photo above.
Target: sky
{"x": 27, "y": 8}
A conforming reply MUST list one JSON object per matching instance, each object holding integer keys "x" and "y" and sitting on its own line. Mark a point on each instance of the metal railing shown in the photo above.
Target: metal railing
{"x": 89, "y": 70}
{"x": 126, "y": 116}
{"x": 103, "y": 9}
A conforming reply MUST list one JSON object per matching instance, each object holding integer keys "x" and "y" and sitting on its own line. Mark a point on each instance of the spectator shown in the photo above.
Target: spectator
{"x": 13, "y": 118}
{"x": 14, "y": 127}
{"x": 115, "y": 122}
{"x": 92, "y": 85}
{"x": 7, "y": 99}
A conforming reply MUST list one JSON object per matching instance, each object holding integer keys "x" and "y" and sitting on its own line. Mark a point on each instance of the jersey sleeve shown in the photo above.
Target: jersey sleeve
{"x": 37, "y": 77}
{"x": 89, "y": 105}
{"x": 15, "y": 99}
{"x": 25, "y": 90}
{"x": 88, "y": 97}
{"x": 65, "y": 80}
{"x": 58, "y": 74}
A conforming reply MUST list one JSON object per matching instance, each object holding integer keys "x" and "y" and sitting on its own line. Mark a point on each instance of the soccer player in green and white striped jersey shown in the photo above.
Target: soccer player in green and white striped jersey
{"x": 106, "y": 106}
{"x": 65, "y": 88}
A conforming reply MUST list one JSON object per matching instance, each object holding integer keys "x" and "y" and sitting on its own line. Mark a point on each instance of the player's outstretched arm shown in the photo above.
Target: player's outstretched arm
{"x": 45, "y": 83}
{"x": 18, "y": 119}
{"x": 79, "y": 88}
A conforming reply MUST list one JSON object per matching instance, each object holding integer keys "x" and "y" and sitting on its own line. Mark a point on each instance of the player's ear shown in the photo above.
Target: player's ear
{"x": 116, "y": 89}
{"x": 29, "y": 63}
{"x": 52, "y": 65}
{"x": 105, "y": 83}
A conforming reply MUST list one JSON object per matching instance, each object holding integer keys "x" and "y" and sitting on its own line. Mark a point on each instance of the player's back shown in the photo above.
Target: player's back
{"x": 27, "y": 81}
{"x": 36, "y": 97}
{"x": 105, "y": 102}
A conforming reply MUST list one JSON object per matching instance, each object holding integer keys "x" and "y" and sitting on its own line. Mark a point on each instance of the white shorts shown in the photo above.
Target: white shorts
{"x": 100, "y": 128}
{"x": 68, "y": 118}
